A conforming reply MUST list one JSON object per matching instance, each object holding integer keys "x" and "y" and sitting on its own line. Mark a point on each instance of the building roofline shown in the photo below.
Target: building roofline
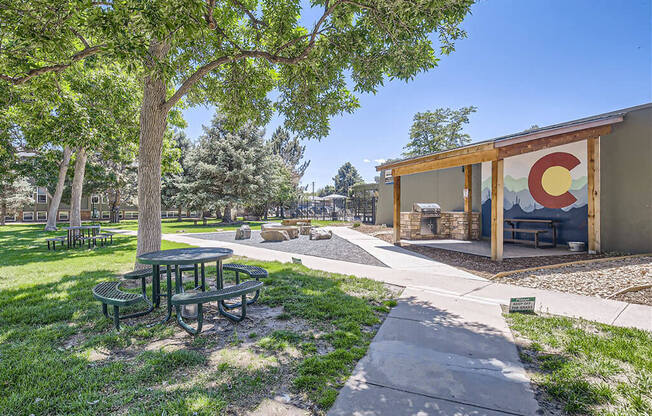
{"x": 608, "y": 118}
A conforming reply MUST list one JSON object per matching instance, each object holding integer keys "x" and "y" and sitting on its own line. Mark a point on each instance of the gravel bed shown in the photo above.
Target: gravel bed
{"x": 336, "y": 248}
{"x": 601, "y": 279}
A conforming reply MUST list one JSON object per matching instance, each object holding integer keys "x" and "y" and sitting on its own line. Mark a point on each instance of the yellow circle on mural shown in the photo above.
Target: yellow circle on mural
{"x": 556, "y": 180}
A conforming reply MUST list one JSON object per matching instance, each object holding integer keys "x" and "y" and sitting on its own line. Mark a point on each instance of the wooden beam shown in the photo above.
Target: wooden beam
{"x": 462, "y": 160}
{"x": 397, "y": 209}
{"x": 593, "y": 176}
{"x": 438, "y": 156}
{"x": 468, "y": 195}
{"x": 497, "y": 182}
{"x": 551, "y": 141}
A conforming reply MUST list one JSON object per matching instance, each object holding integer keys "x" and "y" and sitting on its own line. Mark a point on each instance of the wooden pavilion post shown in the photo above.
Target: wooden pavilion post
{"x": 497, "y": 182}
{"x": 593, "y": 176}
{"x": 397, "y": 209}
{"x": 468, "y": 196}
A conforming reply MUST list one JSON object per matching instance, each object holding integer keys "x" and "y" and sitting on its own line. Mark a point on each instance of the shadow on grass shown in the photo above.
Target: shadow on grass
{"x": 24, "y": 247}
{"x": 49, "y": 331}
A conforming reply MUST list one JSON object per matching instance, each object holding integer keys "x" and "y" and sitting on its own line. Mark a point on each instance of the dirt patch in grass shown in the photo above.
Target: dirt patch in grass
{"x": 585, "y": 368}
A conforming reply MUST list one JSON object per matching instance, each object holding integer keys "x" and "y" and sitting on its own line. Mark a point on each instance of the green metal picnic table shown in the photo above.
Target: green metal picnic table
{"x": 79, "y": 229}
{"x": 173, "y": 259}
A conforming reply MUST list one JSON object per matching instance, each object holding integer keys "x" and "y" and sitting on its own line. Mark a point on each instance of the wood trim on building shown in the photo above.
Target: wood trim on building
{"x": 397, "y": 209}
{"x": 497, "y": 184}
{"x": 593, "y": 184}
{"x": 468, "y": 195}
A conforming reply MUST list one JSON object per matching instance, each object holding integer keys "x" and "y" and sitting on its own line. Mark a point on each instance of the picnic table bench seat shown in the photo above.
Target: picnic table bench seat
{"x": 109, "y": 293}
{"x": 199, "y": 298}
{"x": 254, "y": 272}
{"x": 54, "y": 241}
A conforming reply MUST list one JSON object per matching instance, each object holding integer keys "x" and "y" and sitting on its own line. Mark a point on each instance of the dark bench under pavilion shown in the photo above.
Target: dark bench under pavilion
{"x": 514, "y": 229}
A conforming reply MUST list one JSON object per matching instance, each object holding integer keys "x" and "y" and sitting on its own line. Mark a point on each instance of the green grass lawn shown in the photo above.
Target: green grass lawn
{"x": 171, "y": 226}
{"x": 585, "y": 367}
{"x": 59, "y": 355}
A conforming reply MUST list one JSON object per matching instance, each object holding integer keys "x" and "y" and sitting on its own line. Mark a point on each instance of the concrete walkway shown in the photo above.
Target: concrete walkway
{"x": 447, "y": 282}
{"x": 437, "y": 355}
{"x": 445, "y": 349}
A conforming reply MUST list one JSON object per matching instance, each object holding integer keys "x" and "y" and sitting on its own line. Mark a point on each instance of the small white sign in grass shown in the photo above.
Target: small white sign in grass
{"x": 522, "y": 304}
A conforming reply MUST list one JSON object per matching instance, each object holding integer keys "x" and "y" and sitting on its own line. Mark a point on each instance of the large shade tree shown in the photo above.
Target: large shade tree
{"x": 438, "y": 130}
{"x": 231, "y": 54}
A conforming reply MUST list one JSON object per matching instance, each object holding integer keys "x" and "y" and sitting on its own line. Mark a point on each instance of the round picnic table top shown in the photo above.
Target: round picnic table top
{"x": 180, "y": 256}
{"x": 81, "y": 227}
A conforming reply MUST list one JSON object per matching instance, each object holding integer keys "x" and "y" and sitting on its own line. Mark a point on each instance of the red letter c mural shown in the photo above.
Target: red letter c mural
{"x": 549, "y": 180}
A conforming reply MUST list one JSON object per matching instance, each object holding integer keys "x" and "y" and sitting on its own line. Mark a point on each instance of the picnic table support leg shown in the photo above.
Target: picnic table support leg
{"x": 185, "y": 326}
{"x": 156, "y": 282}
{"x": 536, "y": 240}
{"x": 196, "y": 277}
{"x": 231, "y": 316}
{"x": 116, "y": 317}
{"x": 203, "y": 277}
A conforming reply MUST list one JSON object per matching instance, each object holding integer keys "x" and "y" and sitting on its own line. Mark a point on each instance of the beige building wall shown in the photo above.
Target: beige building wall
{"x": 445, "y": 187}
{"x": 626, "y": 184}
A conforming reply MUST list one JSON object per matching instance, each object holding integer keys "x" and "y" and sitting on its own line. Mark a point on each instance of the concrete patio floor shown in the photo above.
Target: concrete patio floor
{"x": 483, "y": 248}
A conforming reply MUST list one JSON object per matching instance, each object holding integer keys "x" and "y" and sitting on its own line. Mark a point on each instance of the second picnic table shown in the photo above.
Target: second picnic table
{"x": 514, "y": 222}
{"x": 173, "y": 260}
{"x": 75, "y": 231}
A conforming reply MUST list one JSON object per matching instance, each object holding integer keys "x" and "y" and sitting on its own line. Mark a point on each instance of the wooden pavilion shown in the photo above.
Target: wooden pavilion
{"x": 499, "y": 149}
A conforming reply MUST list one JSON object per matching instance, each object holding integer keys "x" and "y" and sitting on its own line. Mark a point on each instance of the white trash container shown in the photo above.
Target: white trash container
{"x": 576, "y": 245}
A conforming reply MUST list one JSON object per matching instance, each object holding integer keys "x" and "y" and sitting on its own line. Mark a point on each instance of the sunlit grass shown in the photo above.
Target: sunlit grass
{"x": 589, "y": 368}
{"x": 59, "y": 355}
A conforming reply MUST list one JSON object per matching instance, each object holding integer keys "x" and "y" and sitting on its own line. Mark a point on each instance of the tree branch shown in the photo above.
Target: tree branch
{"x": 84, "y": 53}
{"x": 252, "y": 17}
{"x": 268, "y": 56}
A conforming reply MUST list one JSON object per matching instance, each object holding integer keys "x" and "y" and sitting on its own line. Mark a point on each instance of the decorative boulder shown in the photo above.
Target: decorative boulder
{"x": 274, "y": 235}
{"x": 305, "y": 229}
{"x": 292, "y": 231}
{"x": 243, "y": 233}
{"x": 320, "y": 234}
{"x": 269, "y": 226}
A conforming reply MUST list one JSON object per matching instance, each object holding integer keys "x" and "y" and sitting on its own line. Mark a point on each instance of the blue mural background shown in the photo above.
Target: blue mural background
{"x": 572, "y": 221}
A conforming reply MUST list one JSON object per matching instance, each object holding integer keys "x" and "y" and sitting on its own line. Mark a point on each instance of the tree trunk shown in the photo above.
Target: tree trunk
{"x": 77, "y": 187}
{"x": 115, "y": 207}
{"x": 152, "y": 128}
{"x": 227, "y": 214}
{"x": 56, "y": 198}
{"x": 3, "y": 212}
{"x": 178, "y": 214}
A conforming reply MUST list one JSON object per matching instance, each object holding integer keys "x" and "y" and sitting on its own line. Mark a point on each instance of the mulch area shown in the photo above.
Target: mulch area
{"x": 601, "y": 278}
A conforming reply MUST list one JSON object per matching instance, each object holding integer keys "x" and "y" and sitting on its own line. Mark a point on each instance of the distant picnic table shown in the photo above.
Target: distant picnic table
{"x": 515, "y": 229}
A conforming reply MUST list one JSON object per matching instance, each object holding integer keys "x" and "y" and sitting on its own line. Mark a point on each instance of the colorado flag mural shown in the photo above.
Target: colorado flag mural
{"x": 546, "y": 184}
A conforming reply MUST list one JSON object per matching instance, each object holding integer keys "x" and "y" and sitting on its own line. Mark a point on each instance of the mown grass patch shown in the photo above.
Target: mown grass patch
{"x": 587, "y": 367}
{"x": 59, "y": 355}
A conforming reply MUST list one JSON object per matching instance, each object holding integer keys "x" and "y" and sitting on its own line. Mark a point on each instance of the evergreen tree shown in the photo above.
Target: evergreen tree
{"x": 291, "y": 152}
{"x": 347, "y": 176}
{"x": 227, "y": 168}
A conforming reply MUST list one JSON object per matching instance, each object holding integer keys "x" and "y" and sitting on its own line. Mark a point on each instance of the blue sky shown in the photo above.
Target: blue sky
{"x": 524, "y": 62}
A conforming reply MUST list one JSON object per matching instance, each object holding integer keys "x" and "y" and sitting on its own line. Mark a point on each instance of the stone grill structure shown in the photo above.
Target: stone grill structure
{"x": 451, "y": 224}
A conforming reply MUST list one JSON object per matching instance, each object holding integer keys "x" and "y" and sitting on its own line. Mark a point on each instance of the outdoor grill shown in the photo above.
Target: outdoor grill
{"x": 429, "y": 215}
